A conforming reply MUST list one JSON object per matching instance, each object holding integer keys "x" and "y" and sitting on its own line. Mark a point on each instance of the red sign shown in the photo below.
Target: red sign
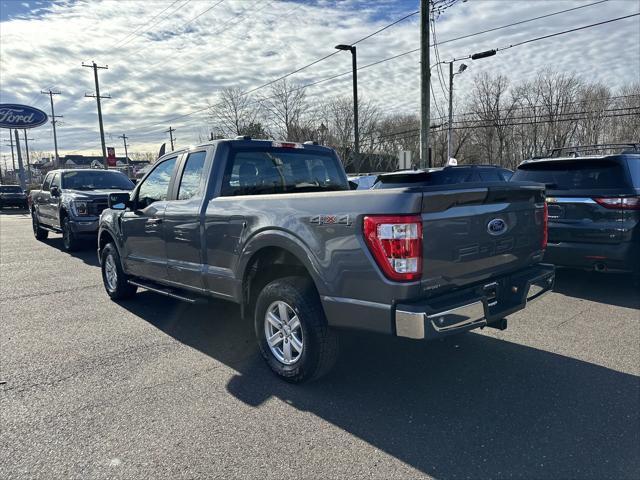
{"x": 111, "y": 156}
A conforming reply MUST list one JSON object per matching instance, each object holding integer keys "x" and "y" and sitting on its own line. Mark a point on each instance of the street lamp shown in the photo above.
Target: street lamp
{"x": 461, "y": 68}
{"x": 356, "y": 134}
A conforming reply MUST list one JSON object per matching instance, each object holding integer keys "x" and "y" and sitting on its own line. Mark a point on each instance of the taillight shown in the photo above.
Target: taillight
{"x": 545, "y": 226}
{"x": 396, "y": 244}
{"x": 619, "y": 203}
{"x": 286, "y": 145}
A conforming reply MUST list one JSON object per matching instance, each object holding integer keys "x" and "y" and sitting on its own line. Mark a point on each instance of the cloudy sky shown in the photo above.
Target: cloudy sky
{"x": 168, "y": 58}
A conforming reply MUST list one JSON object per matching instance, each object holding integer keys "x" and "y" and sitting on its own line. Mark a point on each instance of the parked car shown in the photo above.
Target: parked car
{"x": 274, "y": 227}
{"x": 594, "y": 209}
{"x": 443, "y": 176}
{"x": 70, "y": 202}
{"x": 364, "y": 182}
{"x": 13, "y": 196}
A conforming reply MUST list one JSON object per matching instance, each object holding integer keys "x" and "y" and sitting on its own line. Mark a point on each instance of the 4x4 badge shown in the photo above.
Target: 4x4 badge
{"x": 331, "y": 220}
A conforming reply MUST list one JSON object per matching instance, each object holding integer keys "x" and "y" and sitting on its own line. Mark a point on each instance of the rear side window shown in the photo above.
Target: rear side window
{"x": 191, "y": 181}
{"x": 634, "y": 168}
{"x": 574, "y": 175}
{"x": 491, "y": 175}
{"x": 280, "y": 170}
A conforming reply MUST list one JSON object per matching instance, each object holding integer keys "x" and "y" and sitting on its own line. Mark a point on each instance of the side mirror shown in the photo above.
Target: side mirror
{"x": 55, "y": 191}
{"x": 353, "y": 185}
{"x": 119, "y": 201}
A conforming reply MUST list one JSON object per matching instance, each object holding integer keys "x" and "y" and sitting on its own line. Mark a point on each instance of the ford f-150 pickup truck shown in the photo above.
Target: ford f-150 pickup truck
{"x": 70, "y": 202}
{"x": 275, "y": 227}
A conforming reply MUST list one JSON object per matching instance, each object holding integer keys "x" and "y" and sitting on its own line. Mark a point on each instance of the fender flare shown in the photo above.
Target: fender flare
{"x": 286, "y": 241}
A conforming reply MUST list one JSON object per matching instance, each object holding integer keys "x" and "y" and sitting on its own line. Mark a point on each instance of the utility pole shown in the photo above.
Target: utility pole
{"x": 26, "y": 146}
{"x": 20, "y": 166}
{"x": 98, "y": 97}
{"x": 13, "y": 158}
{"x": 56, "y": 162}
{"x": 425, "y": 79}
{"x": 126, "y": 154}
{"x": 450, "y": 128}
{"x": 170, "y": 132}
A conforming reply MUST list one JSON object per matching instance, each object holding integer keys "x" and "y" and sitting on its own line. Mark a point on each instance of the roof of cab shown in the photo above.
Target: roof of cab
{"x": 247, "y": 141}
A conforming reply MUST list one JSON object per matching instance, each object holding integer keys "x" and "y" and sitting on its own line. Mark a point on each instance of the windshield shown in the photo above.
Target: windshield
{"x": 95, "y": 180}
{"x": 282, "y": 170}
{"x": 10, "y": 189}
{"x": 573, "y": 175}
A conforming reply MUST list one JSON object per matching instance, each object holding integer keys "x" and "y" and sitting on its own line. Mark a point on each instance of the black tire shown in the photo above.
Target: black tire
{"x": 38, "y": 232}
{"x": 121, "y": 289}
{"x": 320, "y": 343}
{"x": 69, "y": 240}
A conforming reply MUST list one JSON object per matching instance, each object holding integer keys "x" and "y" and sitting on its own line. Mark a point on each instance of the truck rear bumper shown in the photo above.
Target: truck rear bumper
{"x": 473, "y": 307}
{"x": 464, "y": 309}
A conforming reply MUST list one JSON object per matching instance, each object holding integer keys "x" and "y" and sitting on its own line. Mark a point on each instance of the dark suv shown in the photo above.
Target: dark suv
{"x": 13, "y": 196}
{"x": 594, "y": 209}
{"x": 443, "y": 176}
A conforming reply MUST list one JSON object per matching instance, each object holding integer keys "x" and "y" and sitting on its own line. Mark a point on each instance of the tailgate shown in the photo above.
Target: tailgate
{"x": 472, "y": 234}
{"x": 582, "y": 219}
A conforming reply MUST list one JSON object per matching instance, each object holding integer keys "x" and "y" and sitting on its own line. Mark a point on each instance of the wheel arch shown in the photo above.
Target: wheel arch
{"x": 271, "y": 256}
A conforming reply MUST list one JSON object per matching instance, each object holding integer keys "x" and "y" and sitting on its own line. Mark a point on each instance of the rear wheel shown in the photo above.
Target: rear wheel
{"x": 69, "y": 239}
{"x": 113, "y": 277}
{"x": 39, "y": 232}
{"x": 292, "y": 331}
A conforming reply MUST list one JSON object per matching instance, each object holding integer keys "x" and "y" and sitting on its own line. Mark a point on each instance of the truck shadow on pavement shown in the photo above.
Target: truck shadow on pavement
{"x": 85, "y": 252}
{"x": 469, "y": 406}
{"x": 610, "y": 288}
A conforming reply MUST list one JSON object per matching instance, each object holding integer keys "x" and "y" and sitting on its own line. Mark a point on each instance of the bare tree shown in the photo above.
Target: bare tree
{"x": 234, "y": 113}
{"x": 286, "y": 107}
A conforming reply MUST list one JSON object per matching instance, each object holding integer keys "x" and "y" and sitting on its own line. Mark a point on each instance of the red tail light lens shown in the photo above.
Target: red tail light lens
{"x": 545, "y": 226}
{"x": 396, "y": 244}
{"x": 619, "y": 203}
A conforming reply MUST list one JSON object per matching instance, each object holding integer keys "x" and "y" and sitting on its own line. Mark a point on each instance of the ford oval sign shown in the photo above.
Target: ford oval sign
{"x": 497, "y": 226}
{"x": 20, "y": 116}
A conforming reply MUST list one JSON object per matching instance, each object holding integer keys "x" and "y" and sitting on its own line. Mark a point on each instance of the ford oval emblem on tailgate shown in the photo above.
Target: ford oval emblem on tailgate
{"x": 497, "y": 226}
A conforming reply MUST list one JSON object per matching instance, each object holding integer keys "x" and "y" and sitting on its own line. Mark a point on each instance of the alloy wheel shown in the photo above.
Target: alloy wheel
{"x": 283, "y": 333}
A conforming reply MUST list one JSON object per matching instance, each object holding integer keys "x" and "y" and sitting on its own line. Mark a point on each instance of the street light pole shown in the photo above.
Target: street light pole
{"x": 356, "y": 126}
{"x": 462, "y": 68}
{"x": 425, "y": 80}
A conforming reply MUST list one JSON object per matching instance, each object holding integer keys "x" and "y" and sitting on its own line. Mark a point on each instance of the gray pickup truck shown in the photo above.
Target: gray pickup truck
{"x": 276, "y": 228}
{"x": 71, "y": 200}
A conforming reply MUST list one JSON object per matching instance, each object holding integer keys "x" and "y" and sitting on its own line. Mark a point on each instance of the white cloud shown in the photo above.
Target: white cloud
{"x": 170, "y": 69}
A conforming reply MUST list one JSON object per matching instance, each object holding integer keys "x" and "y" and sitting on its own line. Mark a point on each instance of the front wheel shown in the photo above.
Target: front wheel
{"x": 292, "y": 331}
{"x": 113, "y": 277}
{"x": 38, "y": 232}
{"x": 69, "y": 239}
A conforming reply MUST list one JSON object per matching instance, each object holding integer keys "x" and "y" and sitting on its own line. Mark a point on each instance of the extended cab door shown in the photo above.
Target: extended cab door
{"x": 143, "y": 229}
{"x": 183, "y": 223}
{"x": 40, "y": 199}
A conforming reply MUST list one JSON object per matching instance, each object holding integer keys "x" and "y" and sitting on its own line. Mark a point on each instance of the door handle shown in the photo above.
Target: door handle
{"x": 154, "y": 221}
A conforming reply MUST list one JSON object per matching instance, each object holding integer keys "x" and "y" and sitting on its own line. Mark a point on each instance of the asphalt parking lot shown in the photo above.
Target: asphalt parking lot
{"x": 154, "y": 388}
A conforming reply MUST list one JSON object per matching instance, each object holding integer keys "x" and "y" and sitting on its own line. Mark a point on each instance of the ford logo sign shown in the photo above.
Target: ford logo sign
{"x": 497, "y": 226}
{"x": 20, "y": 116}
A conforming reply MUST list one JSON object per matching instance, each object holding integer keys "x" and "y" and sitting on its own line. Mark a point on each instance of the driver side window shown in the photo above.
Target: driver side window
{"x": 155, "y": 188}
{"x": 47, "y": 182}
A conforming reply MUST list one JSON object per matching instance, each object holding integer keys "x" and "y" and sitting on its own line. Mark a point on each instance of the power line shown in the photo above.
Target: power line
{"x": 156, "y": 23}
{"x": 183, "y": 24}
{"x": 143, "y": 24}
{"x": 384, "y": 60}
{"x": 329, "y": 55}
{"x": 568, "y": 31}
